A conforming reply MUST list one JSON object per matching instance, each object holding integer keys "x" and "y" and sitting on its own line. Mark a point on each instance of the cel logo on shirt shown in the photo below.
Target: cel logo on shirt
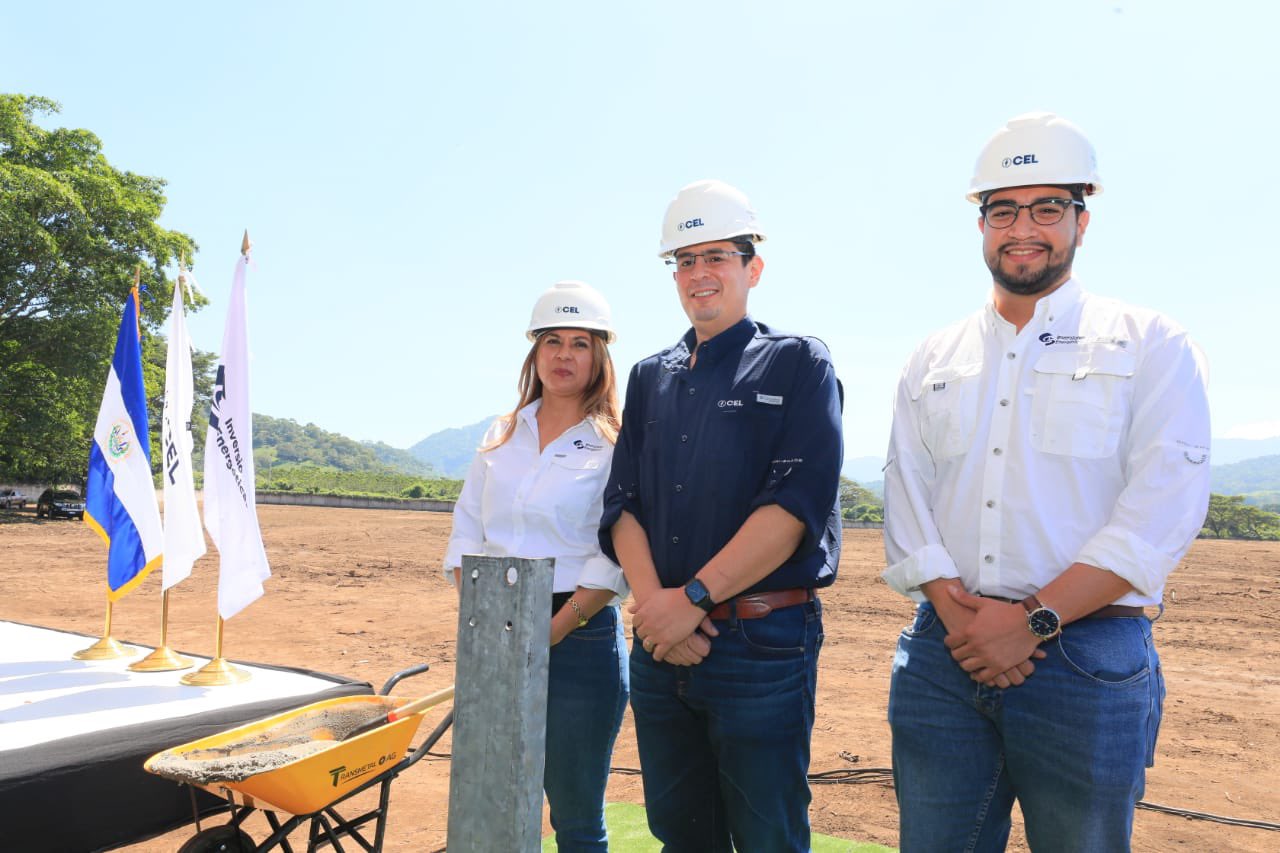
{"x": 733, "y": 404}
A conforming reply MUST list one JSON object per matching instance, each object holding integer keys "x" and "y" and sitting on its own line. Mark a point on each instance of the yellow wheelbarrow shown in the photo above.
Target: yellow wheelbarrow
{"x": 302, "y": 764}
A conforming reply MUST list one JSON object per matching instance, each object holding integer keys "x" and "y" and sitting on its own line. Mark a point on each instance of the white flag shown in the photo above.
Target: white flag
{"x": 230, "y": 506}
{"x": 183, "y": 536}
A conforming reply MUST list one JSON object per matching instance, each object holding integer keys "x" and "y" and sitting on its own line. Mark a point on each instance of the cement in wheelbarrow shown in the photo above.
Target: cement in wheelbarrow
{"x": 294, "y": 762}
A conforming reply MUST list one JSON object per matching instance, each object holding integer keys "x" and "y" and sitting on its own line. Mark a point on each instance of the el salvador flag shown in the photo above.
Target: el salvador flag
{"x": 121, "y": 500}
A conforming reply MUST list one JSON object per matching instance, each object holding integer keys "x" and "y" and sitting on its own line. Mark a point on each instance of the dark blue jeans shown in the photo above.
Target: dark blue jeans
{"x": 724, "y": 745}
{"x": 1072, "y": 744}
{"x": 587, "y": 686}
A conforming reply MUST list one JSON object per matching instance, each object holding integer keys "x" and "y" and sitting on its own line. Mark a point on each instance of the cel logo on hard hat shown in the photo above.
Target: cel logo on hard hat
{"x": 1020, "y": 160}
{"x": 566, "y": 309}
{"x": 691, "y": 223}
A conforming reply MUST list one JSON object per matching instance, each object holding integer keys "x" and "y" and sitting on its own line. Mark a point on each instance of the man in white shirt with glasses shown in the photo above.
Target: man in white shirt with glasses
{"x": 1047, "y": 470}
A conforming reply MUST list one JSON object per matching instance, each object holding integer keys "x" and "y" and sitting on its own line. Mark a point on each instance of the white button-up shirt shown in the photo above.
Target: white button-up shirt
{"x": 1083, "y": 439}
{"x": 518, "y": 501}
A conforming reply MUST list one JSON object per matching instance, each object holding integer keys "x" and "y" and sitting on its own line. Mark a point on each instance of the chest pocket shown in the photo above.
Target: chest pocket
{"x": 1081, "y": 402}
{"x": 573, "y": 485}
{"x": 741, "y": 439}
{"x": 948, "y": 407}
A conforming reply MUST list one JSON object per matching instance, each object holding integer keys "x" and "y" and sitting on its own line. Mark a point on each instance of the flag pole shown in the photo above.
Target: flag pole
{"x": 163, "y": 659}
{"x": 220, "y": 671}
{"x": 108, "y": 648}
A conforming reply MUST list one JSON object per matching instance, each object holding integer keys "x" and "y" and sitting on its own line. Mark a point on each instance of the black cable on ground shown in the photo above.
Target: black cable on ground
{"x": 1232, "y": 821}
{"x": 884, "y": 776}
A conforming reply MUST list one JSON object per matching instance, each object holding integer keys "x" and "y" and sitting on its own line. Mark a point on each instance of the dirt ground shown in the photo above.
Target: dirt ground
{"x": 359, "y": 593}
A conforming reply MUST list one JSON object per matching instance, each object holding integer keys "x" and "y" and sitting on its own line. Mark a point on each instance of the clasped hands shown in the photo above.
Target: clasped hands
{"x": 989, "y": 639}
{"x": 671, "y": 628}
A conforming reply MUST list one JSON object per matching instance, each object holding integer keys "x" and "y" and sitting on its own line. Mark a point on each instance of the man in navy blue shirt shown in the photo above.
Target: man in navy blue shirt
{"x": 722, "y": 508}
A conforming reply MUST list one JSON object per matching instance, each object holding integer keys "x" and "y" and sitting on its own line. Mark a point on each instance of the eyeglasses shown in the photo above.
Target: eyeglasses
{"x": 712, "y": 259}
{"x": 1044, "y": 211}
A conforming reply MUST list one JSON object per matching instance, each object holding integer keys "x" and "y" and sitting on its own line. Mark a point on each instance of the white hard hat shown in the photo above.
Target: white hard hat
{"x": 571, "y": 305}
{"x": 1035, "y": 149}
{"x": 706, "y": 211}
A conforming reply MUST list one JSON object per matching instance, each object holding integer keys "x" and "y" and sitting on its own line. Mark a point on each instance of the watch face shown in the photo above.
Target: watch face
{"x": 1044, "y": 623}
{"x": 698, "y": 594}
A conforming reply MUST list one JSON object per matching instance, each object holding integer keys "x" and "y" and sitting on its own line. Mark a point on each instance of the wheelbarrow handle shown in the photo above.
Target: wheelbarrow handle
{"x": 403, "y": 674}
{"x": 403, "y": 711}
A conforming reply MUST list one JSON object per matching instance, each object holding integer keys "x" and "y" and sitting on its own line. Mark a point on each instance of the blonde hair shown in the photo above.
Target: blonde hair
{"x": 599, "y": 399}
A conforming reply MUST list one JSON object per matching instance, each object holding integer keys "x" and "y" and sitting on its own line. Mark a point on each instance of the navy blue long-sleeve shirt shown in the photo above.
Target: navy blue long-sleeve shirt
{"x": 755, "y": 422}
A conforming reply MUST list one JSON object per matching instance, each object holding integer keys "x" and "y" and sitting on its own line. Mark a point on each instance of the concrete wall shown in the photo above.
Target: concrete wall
{"x": 290, "y": 499}
{"x": 861, "y": 525}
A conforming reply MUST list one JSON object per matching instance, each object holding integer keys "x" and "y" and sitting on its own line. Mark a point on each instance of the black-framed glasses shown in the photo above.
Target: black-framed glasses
{"x": 712, "y": 259}
{"x": 1044, "y": 211}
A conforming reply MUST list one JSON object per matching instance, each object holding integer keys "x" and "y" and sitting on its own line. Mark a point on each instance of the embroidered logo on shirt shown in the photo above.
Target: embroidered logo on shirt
{"x": 733, "y": 404}
{"x": 1049, "y": 339}
{"x": 939, "y": 386}
{"x": 586, "y": 445}
{"x": 1196, "y": 454}
{"x": 769, "y": 399}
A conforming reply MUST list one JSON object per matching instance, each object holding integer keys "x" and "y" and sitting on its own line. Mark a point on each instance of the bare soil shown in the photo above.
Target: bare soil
{"x": 360, "y": 593}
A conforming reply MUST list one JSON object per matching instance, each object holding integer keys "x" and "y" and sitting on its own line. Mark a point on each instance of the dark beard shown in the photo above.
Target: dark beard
{"x": 1029, "y": 283}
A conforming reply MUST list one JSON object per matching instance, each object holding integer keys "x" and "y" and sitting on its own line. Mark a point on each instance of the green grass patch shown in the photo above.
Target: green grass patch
{"x": 629, "y": 833}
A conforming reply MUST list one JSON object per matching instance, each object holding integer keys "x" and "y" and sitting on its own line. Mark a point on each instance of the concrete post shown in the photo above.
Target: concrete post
{"x": 500, "y": 720}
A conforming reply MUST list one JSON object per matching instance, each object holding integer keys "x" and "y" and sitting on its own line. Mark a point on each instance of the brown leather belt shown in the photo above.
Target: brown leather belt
{"x": 1111, "y": 611}
{"x": 759, "y": 604}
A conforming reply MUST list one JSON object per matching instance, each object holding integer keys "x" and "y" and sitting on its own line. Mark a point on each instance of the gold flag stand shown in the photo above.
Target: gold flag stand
{"x": 216, "y": 672}
{"x": 163, "y": 659}
{"x": 107, "y": 648}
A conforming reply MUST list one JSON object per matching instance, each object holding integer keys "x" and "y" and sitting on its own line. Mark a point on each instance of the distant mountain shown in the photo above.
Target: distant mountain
{"x": 863, "y": 469}
{"x": 450, "y": 451}
{"x": 278, "y": 441}
{"x": 1257, "y": 479}
{"x": 1227, "y": 451}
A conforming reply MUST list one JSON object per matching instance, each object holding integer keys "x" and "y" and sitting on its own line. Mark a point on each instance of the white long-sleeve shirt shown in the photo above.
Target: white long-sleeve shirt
{"x": 1083, "y": 439}
{"x": 519, "y": 502}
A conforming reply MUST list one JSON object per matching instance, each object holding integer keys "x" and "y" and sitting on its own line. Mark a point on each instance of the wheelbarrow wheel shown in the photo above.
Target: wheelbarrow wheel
{"x": 219, "y": 839}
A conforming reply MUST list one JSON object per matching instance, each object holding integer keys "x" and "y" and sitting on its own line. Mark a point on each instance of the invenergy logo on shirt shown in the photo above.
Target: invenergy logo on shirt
{"x": 1049, "y": 339}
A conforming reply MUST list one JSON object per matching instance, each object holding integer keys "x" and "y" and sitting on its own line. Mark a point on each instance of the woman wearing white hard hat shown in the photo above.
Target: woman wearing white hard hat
{"x": 535, "y": 490}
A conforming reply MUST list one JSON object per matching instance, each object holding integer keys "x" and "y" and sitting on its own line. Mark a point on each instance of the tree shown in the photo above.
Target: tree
{"x": 73, "y": 229}
{"x": 1229, "y": 517}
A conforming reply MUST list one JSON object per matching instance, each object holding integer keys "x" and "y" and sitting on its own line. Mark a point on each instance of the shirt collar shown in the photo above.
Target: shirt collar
{"x": 731, "y": 340}
{"x": 1048, "y": 308}
{"x": 529, "y": 417}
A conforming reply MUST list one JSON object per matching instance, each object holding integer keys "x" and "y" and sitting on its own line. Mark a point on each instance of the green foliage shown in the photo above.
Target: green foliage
{"x": 73, "y": 229}
{"x": 1258, "y": 479}
{"x": 1229, "y": 517}
{"x": 328, "y": 480}
{"x": 858, "y": 503}
{"x": 279, "y": 441}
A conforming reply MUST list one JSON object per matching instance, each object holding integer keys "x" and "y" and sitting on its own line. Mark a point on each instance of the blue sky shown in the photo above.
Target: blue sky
{"x": 414, "y": 175}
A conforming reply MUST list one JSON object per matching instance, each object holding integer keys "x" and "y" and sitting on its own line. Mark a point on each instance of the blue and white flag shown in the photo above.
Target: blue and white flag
{"x": 121, "y": 500}
{"x": 183, "y": 535}
{"x": 230, "y": 502}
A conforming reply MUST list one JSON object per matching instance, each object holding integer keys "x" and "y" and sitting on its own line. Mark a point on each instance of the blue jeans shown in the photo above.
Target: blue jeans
{"x": 587, "y": 686}
{"x": 724, "y": 745}
{"x": 1072, "y": 744}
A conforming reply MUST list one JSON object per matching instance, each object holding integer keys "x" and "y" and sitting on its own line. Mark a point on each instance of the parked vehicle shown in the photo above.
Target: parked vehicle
{"x": 60, "y": 503}
{"x": 12, "y": 498}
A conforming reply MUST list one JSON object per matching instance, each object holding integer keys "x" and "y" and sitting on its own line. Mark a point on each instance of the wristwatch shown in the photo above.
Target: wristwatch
{"x": 1042, "y": 621}
{"x": 698, "y": 595}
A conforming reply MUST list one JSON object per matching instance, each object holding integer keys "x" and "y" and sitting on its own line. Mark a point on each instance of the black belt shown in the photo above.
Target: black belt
{"x": 1109, "y": 611}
